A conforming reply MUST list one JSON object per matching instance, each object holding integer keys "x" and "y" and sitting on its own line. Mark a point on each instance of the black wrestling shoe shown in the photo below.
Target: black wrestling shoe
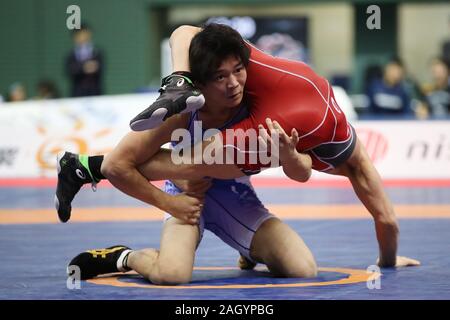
{"x": 100, "y": 261}
{"x": 72, "y": 174}
{"x": 178, "y": 95}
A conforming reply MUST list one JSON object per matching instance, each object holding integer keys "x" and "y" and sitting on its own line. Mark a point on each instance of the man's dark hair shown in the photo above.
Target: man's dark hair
{"x": 396, "y": 60}
{"x": 211, "y": 46}
{"x": 83, "y": 27}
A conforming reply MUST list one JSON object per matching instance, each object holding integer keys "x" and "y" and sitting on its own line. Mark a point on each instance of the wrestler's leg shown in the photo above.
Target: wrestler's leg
{"x": 283, "y": 251}
{"x": 180, "y": 40}
{"x": 178, "y": 93}
{"x": 174, "y": 262}
{"x": 166, "y": 164}
{"x": 161, "y": 167}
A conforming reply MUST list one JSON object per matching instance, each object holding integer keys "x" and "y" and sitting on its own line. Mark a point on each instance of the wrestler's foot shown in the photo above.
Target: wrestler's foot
{"x": 178, "y": 95}
{"x": 245, "y": 264}
{"x": 101, "y": 261}
{"x": 73, "y": 172}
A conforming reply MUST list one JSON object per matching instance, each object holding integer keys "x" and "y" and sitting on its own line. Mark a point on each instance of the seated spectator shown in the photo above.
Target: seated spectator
{"x": 438, "y": 92}
{"x": 46, "y": 90}
{"x": 388, "y": 94}
{"x": 16, "y": 93}
{"x": 415, "y": 92}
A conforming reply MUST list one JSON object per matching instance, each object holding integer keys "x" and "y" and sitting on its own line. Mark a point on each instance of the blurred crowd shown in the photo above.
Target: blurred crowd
{"x": 389, "y": 90}
{"x": 83, "y": 67}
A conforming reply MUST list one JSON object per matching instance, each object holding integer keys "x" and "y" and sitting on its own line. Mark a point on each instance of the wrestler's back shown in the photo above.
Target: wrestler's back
{"x": 291, "y": 93}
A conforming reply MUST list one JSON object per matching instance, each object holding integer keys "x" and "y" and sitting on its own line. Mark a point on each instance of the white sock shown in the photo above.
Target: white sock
{"x": 120, "y": 266}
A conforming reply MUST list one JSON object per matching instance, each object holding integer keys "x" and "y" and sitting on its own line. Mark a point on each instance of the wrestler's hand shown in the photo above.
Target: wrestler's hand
{"x": 296, "y": 165}
{"x": 402, "y": 262}
{"x": 286, "y": 145}
{"x": 195, "y": 188}
{"x": 185, "y": 207}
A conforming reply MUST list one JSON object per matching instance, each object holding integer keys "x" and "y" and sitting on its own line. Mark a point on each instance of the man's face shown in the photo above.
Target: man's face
{"x": 226, "y": 89}
{"x": 81, "y": 37}
{"x": 393, "y": 73}
{"x": 439, "y": 72}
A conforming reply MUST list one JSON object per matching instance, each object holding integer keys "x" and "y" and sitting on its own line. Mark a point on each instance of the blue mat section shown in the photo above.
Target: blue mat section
{"x": 13, "y": 198}
{"x": 35, "y": 258}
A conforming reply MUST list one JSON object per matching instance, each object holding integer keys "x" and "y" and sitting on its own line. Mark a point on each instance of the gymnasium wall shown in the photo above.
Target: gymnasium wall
{"x": 34, "y": 38}
{"x": 34, "y": 41}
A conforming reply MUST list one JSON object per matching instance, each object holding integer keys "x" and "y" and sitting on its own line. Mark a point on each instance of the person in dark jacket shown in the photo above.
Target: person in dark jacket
{"x": 388, "y": 95}
{"x": 84, "y": 65}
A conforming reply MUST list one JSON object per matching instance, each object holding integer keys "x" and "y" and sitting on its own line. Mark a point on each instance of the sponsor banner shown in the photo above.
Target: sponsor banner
{"x": 408, "y": 149}
{"x": 402, "y": 149}
{"x": 32, "y": 133}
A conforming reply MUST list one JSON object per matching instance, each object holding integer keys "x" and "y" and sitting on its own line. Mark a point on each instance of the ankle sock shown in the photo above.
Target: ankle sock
{"x": 122, "y": 262}
{"x": 95, "y": 164}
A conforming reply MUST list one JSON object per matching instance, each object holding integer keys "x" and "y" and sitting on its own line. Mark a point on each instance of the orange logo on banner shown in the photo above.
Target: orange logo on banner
{"x": 375, "y": 143}
{"x": 48, "y": 150}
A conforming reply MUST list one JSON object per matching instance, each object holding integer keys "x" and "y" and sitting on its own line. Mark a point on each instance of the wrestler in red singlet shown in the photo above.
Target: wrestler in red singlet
{"x": 291, "y": 93}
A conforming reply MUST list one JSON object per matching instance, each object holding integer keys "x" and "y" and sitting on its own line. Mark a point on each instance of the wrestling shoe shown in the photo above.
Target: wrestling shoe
{"x": 177, "y": 95}
{"x": 73, "y": 172}
{"x": 101, "y": 261}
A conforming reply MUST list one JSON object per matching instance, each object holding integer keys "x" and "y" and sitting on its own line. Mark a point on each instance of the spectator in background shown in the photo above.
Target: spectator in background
{"x": 84, "y": 65}
{"x": 46, "y": 90}
{"x": 437, "y": 93}
{"x": 16, "y": 93}
{"x": 388, "y": 95}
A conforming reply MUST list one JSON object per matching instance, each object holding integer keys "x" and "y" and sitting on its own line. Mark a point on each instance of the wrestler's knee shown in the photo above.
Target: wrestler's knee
{"x": 293, "y": 266}
{"x": 283, "y": 251}
{"x": 306, "y": 267}
{"x": 111, "y": 168}
{"x": 183, "y": 31}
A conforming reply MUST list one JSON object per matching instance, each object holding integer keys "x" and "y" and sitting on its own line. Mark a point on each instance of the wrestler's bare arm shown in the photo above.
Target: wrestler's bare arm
{"x": 121, "y": 168}
{"x": 368, "y": 186}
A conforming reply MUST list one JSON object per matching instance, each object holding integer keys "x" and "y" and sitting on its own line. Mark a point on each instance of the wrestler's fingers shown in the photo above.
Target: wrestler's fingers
{"x": 270, "y": 125}
{"x": 199, "y": 209}
{"x": 284, "y": 139}
{"x": 192, "y": 221}
{"x": 264, "y": 136}
{"x": 263, "y": 132}
{"x": 275, "y": 134}
{"x": 294, "y": 137}
{"x": 195, "y": 215}
{"x": 278, "y": 127}
{"x": 262, "y": 144}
